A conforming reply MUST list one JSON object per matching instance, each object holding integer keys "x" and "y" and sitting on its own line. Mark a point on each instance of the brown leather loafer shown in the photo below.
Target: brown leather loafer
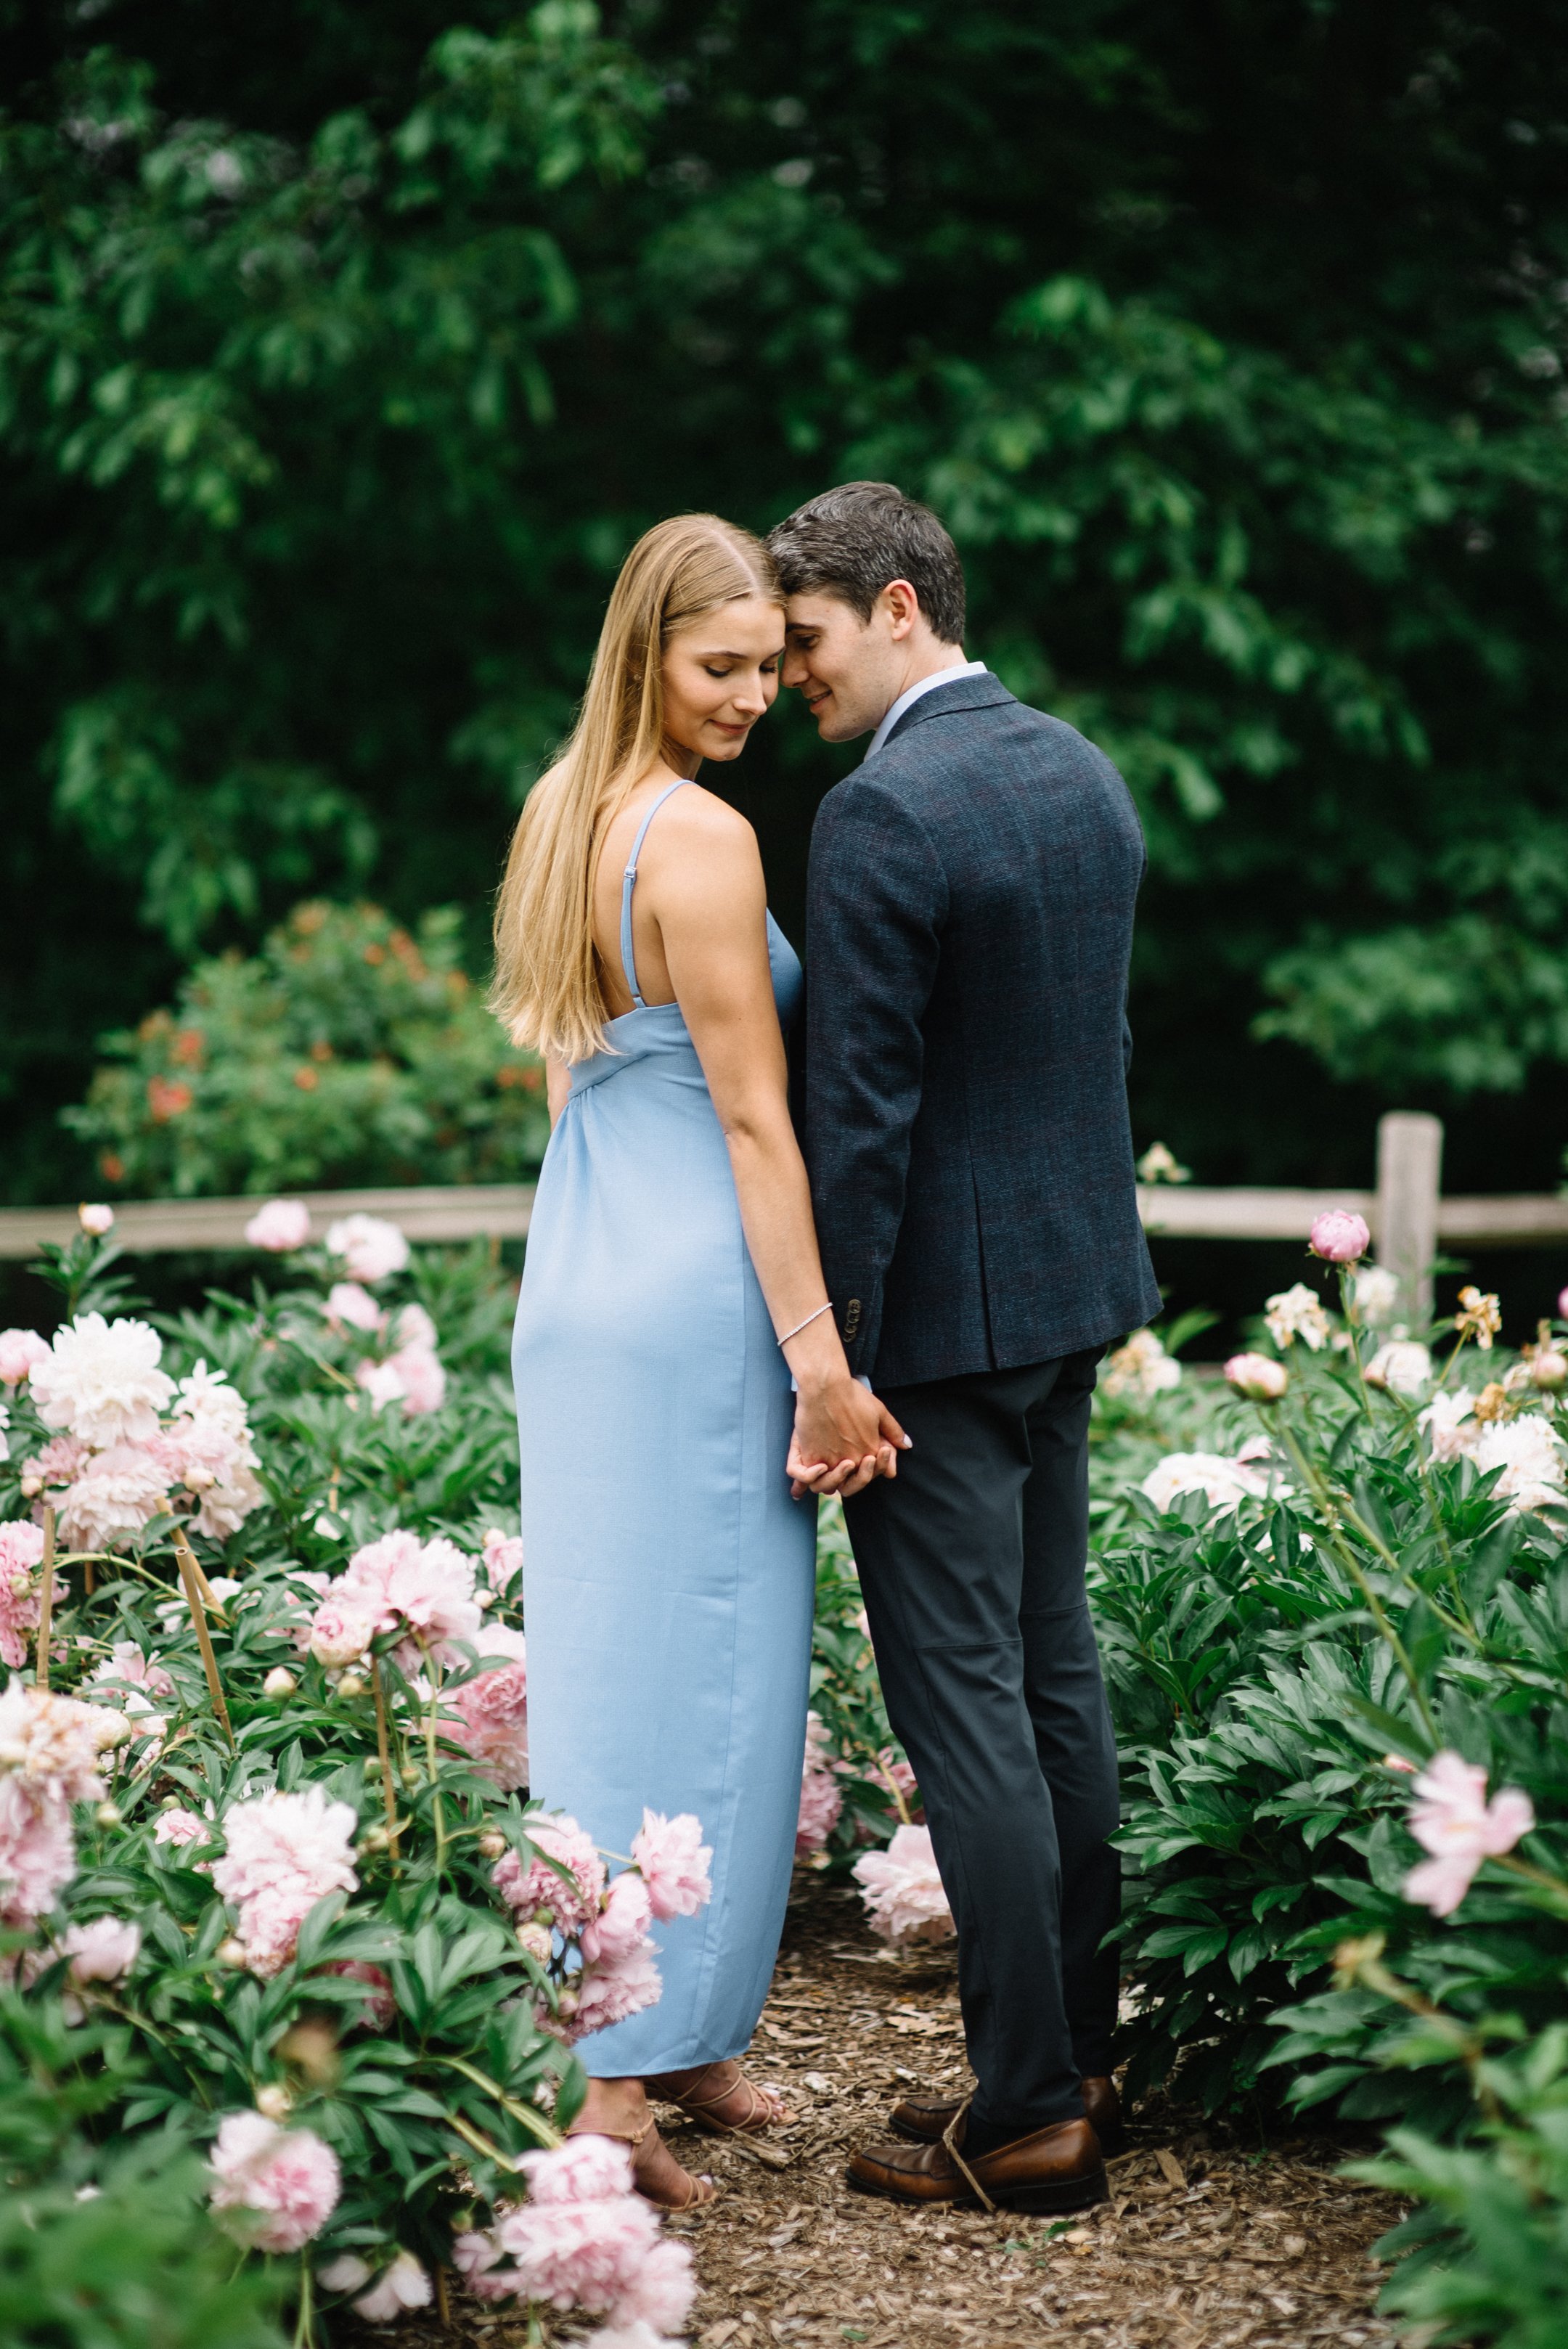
{"x": 925, "y": 2124}
{"x": 1056, "y": 2170}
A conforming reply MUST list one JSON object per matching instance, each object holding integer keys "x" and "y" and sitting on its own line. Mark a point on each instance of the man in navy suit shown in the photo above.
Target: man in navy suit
{"x": 970, "y": 923}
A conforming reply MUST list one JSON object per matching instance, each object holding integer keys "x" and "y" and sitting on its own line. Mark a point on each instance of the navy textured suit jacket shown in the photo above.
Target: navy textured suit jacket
{"x": 969, "y": 929}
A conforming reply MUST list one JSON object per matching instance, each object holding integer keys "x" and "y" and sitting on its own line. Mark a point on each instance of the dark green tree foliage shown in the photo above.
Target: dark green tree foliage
{"x": 342, "y": 352}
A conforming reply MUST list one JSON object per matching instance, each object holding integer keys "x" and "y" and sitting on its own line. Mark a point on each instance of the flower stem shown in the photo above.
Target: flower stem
{"x": 305, "y": 2330}
{"x": 46, "y": 1597}
{"x": 432, "y": 1711}
{"x": 535, "y": 2122}
{"x": 384, "y": 1752}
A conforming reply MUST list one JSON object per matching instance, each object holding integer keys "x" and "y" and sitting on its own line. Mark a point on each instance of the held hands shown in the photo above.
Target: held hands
{"x": 843, "y": 1437}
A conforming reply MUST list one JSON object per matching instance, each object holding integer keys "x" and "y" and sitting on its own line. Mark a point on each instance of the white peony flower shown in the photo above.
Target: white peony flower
{"x": 1452, "y": 1430}
{"x": 1376, "y": 1292}
{"x": 1141, "y": 1369}
{"x": 1297, "y": 1313}
{"x": 1400, "y": 1365}
{"x": 1224, "y": 1483}
{"x": 102, "y": 1381}
{"x": 1533, "y": 1459}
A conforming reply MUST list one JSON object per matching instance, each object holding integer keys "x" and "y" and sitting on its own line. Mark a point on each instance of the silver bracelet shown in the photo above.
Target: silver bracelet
{"x": 807, "y": 1323}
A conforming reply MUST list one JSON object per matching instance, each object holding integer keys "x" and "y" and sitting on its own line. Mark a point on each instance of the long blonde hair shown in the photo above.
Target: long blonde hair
{"x": 546, "y": 990}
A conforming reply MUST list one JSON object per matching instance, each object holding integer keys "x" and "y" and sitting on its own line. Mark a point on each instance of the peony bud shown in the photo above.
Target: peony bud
{"x": 108, "y": 1815}
{"x": 536, "y": 1939}
{"x": 279, "y": 1682}
{"x": 1258, "y": 1377}
{"x": 493, "y": 1846}
{"x": 112, "y": 1730}
{"x": 95, "y": 1220}
{"x": 352, "y": 1684}
{"x": 1339, "y": 1236}
{"x": 1549, "y": 1371}
{"x": 230, "y": 1953}
{"x": 274, "y": 2102}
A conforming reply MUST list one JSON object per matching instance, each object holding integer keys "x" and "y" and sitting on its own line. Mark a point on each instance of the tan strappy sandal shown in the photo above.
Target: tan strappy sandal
{"x": 700, "y": 2192}
{"x": 767, "y": 2109}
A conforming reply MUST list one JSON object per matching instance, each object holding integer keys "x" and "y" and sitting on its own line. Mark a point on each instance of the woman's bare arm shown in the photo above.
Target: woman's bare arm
{"x": 704, "y": 883}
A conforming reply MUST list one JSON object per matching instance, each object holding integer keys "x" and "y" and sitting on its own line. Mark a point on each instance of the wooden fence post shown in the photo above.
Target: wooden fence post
{"x": 1409, "y": 1183}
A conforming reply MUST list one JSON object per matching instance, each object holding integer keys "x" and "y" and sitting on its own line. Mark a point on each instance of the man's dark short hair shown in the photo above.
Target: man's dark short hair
{"x": 852, "y": 541}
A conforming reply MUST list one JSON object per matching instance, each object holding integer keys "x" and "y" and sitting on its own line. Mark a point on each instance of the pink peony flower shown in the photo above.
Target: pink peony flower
{"x": 1453, "y": 1820}
{"x": 610, "y": 1992}
{"x": 423, "y": 1379}
{"x": 1562, "y": 1306}
{"x": 620, "y": 1929}
{"x": 476, "y": 2257}
{"x": 573, "y": 1898}
{"x": 660, "y": 2296}
{"x": 286, "y": 1852}
{"x": 117, "y": 1494}
{"x": 21, "y": 1551}
{"x": 1258, "y": 1377}
{"x": 340, "y": 1631}
{"x": 283, "y": 2185}
{"x": 282, "y": 1225}
{"x": 58, "y": 1464}
{"x": 126, "y": 1667}
{"x": 903, "y": 1891}
{"x": 492, "y": 1711}
{"x": 102, "y": 1383}
{"x": 381, "y": 1382}
{"x": 503, "y": 1559}
{"x": 20, "y": 1350}
{"x": 634, "y": 2333}
{"x": 402, "y": 2286}
{"x": 674, "y": 1861}
{"x": 575, "y": 2248}
{"x": 351, "y": 1307}
{"x": 414, "y": 1327}
{"x": 370, "y": 1249}
{"x": 421, "y": 1587}
{"x": 1340, "y": 1236}
{"x": 37, "y": 1853}
{"x": 379, "y": 2005}
{"x": 180, "y": 1828}
{"x": 104, "y": 1950}
{"x": 821, "y": 1802}
{"x": 50, "y": 1745}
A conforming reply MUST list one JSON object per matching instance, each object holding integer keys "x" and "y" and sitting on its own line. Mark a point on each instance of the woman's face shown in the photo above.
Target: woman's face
{"x": 719, "y": 675}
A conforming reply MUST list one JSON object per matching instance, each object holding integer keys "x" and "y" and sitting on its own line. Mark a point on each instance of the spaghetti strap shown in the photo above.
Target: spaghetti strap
{"x": 628, "y": 882}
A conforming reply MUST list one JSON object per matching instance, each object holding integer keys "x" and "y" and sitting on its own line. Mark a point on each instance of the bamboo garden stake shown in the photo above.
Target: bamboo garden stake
{"x": 193, "y": 1579}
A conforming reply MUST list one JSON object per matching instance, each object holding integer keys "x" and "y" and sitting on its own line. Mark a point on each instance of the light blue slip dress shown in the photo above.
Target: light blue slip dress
{"x": 668, "y": 1576}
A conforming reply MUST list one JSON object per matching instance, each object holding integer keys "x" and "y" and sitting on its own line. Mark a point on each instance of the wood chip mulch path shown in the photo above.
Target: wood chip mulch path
{"x": 1207, "y": 2243}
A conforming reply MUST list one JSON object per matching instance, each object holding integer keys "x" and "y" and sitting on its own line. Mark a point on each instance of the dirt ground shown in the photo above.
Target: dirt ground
{"x": 1206, "y": 2243}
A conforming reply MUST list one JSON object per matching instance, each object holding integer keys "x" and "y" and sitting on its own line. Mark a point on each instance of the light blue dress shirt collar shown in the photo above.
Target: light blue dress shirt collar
{"x": 907, "y": 700}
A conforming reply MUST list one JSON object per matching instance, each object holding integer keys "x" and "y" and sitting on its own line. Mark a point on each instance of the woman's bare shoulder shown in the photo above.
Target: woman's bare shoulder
{"x": 697, "y": 824}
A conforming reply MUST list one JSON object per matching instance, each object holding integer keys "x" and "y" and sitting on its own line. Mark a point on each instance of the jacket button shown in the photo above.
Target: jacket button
{"x": 851, "y": 1317}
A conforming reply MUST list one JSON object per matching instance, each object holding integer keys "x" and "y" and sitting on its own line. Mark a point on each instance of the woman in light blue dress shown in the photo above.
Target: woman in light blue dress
{"x": 672, "y": 1287}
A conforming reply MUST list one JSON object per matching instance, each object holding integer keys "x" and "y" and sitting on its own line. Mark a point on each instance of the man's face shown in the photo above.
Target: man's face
{"x": 846, "y": 668}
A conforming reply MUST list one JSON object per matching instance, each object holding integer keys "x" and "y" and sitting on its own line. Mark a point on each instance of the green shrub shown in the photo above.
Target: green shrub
{"x": 347, "y": 1051}
{"x": 104, "y": 2251}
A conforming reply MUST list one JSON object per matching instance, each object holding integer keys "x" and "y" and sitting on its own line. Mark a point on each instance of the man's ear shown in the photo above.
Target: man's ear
{"x": 903, "y": 608}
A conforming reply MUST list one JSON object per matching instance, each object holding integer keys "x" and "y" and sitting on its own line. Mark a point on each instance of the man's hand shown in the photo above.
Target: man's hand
{"x": 843, "y": 1437}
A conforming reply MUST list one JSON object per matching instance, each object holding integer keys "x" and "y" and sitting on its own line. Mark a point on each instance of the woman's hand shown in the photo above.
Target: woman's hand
{"x": 843, "y": 1437}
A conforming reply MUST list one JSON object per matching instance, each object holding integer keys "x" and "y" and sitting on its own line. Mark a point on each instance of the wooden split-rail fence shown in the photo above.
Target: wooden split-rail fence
{"x": 1411, "y": 1220}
